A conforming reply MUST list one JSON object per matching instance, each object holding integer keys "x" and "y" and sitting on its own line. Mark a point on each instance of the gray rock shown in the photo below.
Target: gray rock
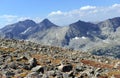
{"x": 80, "y": 68}
{"x": 4, "y": 66}
{"x": 27, "y": 67}
{"x": 68, "y": 75}
{"x": 9, "y": 74}
{"x": 65, "y": 68}
{"x": 13, "y": 65}
{"x": 71, "y": 74}
{"x": 84, "y": 75}
{"x": 33, "y": 75}
{"x": 45, "y": 76}
{"x": 65, "y": 75}
{"x": 22, "y": 58}
{"x": 32, "y": 62}
{"x": 59, "y": 74}
{"x": 9, "y": 58}
{"x": 48, "y": 61}
{"x": 99, "y": 70}
{"x": 38, "y": 69}
{"x": 51, "y": 73}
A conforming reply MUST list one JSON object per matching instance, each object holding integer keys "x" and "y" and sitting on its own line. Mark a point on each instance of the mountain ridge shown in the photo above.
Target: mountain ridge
{"x": 79, "y": 35}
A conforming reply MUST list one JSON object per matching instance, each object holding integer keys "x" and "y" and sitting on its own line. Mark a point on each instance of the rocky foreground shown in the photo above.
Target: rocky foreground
{"x": 24, "y": 59}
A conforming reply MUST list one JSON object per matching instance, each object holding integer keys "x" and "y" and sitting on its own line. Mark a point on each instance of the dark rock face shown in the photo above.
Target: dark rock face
{"x": 15, "y": 30}
{"x": 81, "y": 28}
{"x": 46, "y": 24}
{"x": 23, "y": 29}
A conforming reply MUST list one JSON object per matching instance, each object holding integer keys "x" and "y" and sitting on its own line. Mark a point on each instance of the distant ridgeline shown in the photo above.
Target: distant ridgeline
{"x": 102, "y": 38}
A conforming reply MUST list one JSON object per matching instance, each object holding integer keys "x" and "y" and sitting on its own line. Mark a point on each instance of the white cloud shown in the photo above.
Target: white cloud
{"x": 9, "y": 19}
{"x": 22, "y": 18}
{"x": 56, "y": 13}
{"x": 37, "y": 19}
{"x": 116, "y": 5}
{"x": 8, "y": 16}
{"x": 85, "y": 13}
{"x": 88, "y": 7}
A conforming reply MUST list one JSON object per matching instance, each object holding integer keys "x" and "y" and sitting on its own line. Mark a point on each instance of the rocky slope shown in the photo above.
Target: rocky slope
{"x": 102, "y": 37}
{"x": 24, "y": 59}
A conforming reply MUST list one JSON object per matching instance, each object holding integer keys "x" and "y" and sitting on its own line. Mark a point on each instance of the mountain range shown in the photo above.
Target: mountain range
{"x": 102, "y": 38}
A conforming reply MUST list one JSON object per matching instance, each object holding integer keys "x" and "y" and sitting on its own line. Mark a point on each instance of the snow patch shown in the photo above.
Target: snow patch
{"x": 83, "y": 37}
{"x": 26, "y": 30}
{"x": 76, "y": 38}
{"x": 106, "y": 41}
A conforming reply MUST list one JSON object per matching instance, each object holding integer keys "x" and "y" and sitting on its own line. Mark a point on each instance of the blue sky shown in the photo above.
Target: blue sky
{"x": 61, "y": 12}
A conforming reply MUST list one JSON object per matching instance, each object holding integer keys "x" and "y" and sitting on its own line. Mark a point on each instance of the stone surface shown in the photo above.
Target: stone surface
{"x": 29, "y": 60}
{"x": 65, "y": 68}
{"x": 32, "y": 62}
{"x": 38, "y": 69}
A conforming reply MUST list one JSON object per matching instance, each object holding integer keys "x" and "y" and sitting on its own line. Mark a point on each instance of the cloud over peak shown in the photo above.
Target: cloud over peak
{"x": 86, "y": 13}
{"x": 9, "y": 19}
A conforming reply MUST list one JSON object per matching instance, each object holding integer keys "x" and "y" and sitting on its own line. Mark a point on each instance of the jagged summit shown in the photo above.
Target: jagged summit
{"x": 46, "y": 23}
{"x": 46, "y": 20}
{"x": 26, "y": 21}
{"x": 78, "y": 22}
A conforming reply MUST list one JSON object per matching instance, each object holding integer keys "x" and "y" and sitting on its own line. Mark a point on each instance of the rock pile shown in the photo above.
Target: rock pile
{"x": 24, "y": 59}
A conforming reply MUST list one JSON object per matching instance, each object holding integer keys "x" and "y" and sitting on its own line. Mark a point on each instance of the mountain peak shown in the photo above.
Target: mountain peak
{"x": 27, "y": 22}
{"x": 46, "y": 20}
{"x": 79, "y": 23}
{"x": 47, "y": 23}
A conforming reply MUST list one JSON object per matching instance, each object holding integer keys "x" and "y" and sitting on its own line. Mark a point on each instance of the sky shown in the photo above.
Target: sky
{"x": 60, "y": 12}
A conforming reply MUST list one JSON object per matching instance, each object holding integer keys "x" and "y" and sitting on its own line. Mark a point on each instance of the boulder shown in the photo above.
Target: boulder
{"x": 13, "y": 65}
{"x": 84, "y": 75}
{"x": 22, "y": 58}
{"x": 9, "y": 74}
{"x": 32, "y": 62}
{"x": 65, "y": 68}
{"x": 51, "y": 73}
{"x": 33, "y": 75}
{"x": 38, "y": 69}
{"x": 117, "y": 65}
{"x": 80, "y": 68}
